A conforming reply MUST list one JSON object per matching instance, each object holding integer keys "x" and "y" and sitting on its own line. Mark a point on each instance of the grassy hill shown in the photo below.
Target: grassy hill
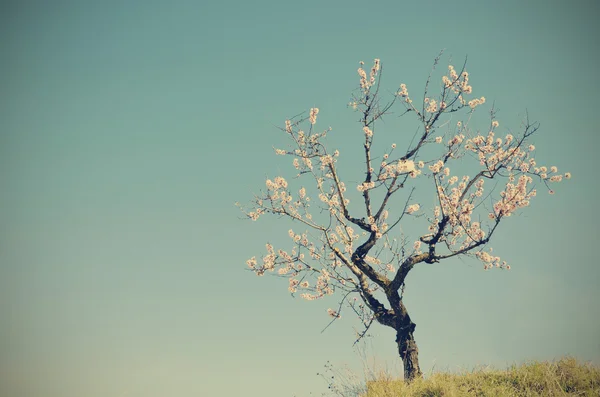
{"x": 565, "y": 377}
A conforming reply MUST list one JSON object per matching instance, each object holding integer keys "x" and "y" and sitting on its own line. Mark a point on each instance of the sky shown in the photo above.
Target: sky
{"x": 128, "y": 130}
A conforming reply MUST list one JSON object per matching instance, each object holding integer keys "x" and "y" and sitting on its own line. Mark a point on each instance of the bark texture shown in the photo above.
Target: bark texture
{"x": 405, "y": 339}
{"x": 407, "y": 348}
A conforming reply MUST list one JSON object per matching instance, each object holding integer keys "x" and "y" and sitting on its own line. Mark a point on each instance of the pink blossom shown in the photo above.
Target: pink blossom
{"x": 412, "y": 208}
{"x": 313, "y": 115}
{"x": 333, "y": 313}
{"x": 403, "y": 91}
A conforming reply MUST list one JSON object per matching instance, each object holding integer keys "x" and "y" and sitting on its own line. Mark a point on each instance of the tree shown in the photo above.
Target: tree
{"x": 350, "y": 249}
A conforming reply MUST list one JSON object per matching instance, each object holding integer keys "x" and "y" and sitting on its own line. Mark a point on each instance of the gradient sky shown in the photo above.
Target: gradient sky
{"x": 129, "y": 129}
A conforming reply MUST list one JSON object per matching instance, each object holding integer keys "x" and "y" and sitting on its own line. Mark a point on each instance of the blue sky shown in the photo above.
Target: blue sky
{"x": 129, "y": 129}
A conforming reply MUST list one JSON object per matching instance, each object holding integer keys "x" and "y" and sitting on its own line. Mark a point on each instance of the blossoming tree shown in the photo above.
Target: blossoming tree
{"x": 350, "y": 249}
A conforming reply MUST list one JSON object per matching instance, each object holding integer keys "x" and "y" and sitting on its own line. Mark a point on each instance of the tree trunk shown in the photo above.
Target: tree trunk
{"x": 407, "y": 347}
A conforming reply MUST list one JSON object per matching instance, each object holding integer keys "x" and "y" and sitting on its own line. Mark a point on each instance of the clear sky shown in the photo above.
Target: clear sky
{"x": 129, "y": 129}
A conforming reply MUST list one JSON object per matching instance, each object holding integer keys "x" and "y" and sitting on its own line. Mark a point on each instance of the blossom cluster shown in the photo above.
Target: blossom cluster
{"x": 365, "y": 186}
{"x": 496, "y": 154}
{"x": 403, "y": 91}
{"x": 458, "y": 83}
{"x": 367, "y": 83}
{"x": 453, "y": 83}
{"x": 476, "y": 102}
{"x": 491, "y": 261}
{"x": 333, "y": 313}
{"x": 292, "y": 265}
{"x": 458, "y": 200}
{"x": 433, "y": 106}
{"x": 378, "y": 226}
{"x": 412, "y": 208}
{"x": 313, "y": 115}
{"x": 396, "y": 168}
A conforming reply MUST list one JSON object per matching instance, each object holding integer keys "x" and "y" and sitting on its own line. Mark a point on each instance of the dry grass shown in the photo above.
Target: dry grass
{"x": 565, "y": 377}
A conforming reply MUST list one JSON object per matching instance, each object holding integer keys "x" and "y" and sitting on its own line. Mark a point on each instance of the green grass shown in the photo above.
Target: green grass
{"x": 565, "y": 377}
